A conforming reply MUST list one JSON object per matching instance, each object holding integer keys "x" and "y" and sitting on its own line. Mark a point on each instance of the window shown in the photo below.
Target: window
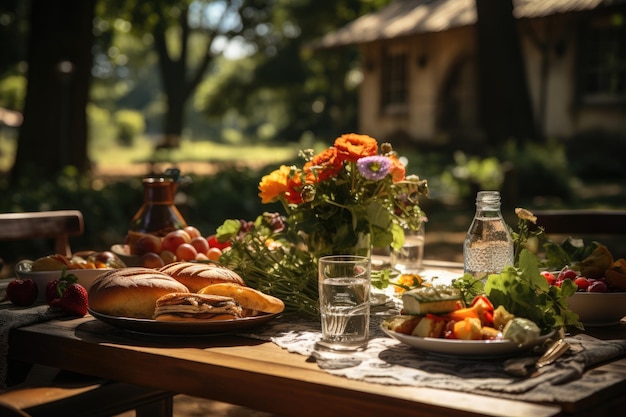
{"x": 394, "y": 83}
{"x": 603, "y": 60}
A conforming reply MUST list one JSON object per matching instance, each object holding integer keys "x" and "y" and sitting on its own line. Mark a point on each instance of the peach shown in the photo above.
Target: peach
{"x": 147, "y": 243}
{"x": 174, "y": 239}
{"x": 201, "y": 244}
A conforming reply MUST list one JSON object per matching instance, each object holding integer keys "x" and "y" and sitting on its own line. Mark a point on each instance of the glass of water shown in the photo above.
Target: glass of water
{"x": 408, "y": 259}
{"x": 344, "y": 296}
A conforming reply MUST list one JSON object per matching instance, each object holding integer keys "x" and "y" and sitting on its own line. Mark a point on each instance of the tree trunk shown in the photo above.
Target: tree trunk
{"x": 54, "y": 132}
{"x": 178, "y": 78}
{"x": 506, "y": 110}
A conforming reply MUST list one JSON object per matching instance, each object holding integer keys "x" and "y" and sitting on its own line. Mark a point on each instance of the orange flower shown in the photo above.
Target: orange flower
{"x": 294, "y": 187}
{"x": 273, "y": 185}
{"x": 351, "y": 147}
{"x": 322, "y": 166}
{"x": 396, "y": 170}
{"x": 282, "y": 182}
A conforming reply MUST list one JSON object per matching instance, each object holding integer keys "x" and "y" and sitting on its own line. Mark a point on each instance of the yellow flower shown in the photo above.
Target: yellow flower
{"x": 273, "y": 185}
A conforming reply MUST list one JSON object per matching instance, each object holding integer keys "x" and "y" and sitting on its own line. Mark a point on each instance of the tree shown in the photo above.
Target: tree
{"x": 54, "y": 131}
{"x": 173, "y": 24}
{"x": 314, "y": 87}
{"x": 506, "y": 110}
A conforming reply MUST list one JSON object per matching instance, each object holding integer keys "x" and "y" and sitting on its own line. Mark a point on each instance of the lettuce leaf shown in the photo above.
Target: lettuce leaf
{"x": 523, "y": 291}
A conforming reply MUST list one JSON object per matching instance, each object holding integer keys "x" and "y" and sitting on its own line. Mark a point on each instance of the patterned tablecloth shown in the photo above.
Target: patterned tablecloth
{"x": 390, "y": 362}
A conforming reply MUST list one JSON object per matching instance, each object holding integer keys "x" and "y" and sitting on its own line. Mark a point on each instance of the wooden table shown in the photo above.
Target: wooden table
{"x": 262, "y": 376}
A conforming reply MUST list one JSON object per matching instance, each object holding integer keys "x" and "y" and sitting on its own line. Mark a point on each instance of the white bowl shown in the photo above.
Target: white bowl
{"x": 597, "y": 308}
{"x": 123, "y": 252}
{"x": 86, "y": 277}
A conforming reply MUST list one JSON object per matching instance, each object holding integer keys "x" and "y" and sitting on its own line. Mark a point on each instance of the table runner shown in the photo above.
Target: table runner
{"x": 389, "y": 362}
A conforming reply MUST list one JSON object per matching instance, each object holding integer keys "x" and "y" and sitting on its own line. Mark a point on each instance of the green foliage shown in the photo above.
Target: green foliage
{"x": 129, "y": 124}
{"x": 474, "y": 172}
{"x": 108, "y": 206}
{"x": 539, "y": 169}
{"x": 597, "y": 154}
{"x": 12, "y": 92}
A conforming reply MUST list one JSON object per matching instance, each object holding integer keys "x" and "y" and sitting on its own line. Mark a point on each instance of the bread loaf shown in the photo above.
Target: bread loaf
{"x": 131, "y": 292}
{"x": 196, "y": 276}
{"x": 252, "y": 301}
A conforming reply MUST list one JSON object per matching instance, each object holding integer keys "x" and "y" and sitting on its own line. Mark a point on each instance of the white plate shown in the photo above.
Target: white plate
{"x": 182, "y": 328}
{"x": 478, "y": 349}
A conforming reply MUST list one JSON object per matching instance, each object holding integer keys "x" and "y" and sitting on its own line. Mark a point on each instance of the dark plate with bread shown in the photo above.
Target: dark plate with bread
{"x": 184, "y": 328}
{"x": 182, "y": 298}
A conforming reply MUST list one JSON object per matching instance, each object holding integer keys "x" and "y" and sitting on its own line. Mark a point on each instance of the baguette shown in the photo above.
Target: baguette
{"x": 252, "y": 301}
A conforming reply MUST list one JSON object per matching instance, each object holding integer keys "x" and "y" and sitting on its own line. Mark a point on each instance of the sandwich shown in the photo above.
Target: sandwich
{"x": 194, "y": 307}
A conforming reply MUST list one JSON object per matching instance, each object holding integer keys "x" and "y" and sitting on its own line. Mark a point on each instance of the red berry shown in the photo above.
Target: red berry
{"x": 52, "y": 291}
{"x": 582, "y": 283}
{"x": 22, "y": 292}
{"x": 567, "y": 274}
{"x": 73, "y": 301}
{"x": 549, "y": 276}
{"x": 597, "y": 286}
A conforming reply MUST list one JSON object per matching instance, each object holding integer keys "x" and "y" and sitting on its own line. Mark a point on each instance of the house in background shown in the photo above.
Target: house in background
{"x": 419, "y": 65}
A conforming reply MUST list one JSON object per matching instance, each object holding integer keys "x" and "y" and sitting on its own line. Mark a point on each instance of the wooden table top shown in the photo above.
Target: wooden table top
{"x": 261, "y": 375}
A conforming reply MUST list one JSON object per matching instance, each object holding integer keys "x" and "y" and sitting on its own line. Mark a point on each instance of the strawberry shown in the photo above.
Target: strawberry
{"x": 73, "y": 301}
{"x": 55, "y": 288}
{"x": 22, "y": 292}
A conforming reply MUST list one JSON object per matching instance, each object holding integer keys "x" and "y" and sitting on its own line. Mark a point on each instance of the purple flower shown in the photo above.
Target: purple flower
{"x": 374, "y": 168}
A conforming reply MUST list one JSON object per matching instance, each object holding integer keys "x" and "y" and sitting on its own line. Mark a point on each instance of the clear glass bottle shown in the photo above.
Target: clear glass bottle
{"x": 488, "y": 246}
{"x": 158, "y": 215}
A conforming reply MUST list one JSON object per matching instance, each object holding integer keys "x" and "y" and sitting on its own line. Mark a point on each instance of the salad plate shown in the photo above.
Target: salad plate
{"x": 183, "y": 328}
{"x": 472, "y": 349}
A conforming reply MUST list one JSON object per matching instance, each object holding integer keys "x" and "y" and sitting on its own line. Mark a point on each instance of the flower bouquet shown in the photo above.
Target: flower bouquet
{"x": 346, "y": 199}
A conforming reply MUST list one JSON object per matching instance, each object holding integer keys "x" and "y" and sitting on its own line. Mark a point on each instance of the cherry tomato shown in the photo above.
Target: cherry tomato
{"x": 567, "y": 274}
{"x": 582, "y": 283}
{"x": 549, "y": 276}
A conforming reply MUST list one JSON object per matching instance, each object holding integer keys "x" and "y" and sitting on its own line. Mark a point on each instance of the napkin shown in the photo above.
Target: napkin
{"x": 12, "y": 318}
{"x": 586, "y": 353}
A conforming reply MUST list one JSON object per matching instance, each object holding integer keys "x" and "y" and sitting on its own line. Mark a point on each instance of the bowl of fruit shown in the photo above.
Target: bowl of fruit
{"x": 152, "y": 251}
{"x": 600, "y": 300}
{"x": 85, "y": 266}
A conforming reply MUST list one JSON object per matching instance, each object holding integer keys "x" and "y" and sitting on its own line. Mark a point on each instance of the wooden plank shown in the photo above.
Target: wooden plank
{"x": 240, "y": 371}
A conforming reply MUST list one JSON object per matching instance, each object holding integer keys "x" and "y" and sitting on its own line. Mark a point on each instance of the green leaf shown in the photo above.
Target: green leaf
{"x": 229, "y": 229}
{"x": 525, "y": 293}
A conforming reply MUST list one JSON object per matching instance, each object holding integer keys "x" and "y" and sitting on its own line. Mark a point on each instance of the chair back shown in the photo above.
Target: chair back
{"x": 58, "y": 225}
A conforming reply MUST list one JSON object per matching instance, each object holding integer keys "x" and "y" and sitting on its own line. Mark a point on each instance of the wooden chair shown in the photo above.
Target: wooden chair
{"x": 592, "y": 222}
{"x": 52, "y": 393}
{"x": 57, "y": 225}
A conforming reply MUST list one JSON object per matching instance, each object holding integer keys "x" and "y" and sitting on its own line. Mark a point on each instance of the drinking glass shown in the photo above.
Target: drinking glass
{"x": 408, "y": 259}
{"x": 344, "y": 296}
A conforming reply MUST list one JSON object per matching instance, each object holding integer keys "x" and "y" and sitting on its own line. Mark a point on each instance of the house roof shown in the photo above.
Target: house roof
{"x": 409, "y": 17}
